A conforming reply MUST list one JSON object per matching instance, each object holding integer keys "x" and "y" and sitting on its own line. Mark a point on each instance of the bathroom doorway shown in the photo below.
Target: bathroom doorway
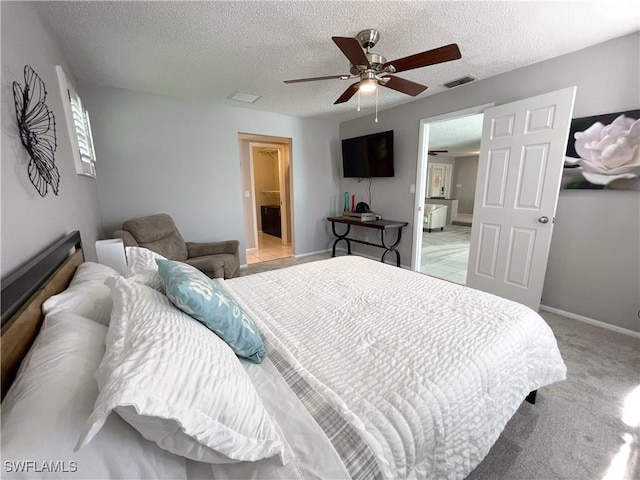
{"x": 267, "y": 191}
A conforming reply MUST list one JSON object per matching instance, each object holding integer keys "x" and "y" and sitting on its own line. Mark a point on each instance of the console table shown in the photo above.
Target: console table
{"x": 381, "y": 225}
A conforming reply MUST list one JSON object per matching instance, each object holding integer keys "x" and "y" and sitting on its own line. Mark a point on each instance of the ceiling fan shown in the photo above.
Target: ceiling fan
{"x": 436, "y": 152}
{"x": 372, "y": 69}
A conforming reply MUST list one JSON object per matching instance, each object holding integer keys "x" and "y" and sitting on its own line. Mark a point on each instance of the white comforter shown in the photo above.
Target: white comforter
{"x": 427, "y": 371}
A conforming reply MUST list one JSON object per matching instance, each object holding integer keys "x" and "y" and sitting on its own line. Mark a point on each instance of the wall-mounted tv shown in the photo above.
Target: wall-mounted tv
{"x": 368, "y": 156}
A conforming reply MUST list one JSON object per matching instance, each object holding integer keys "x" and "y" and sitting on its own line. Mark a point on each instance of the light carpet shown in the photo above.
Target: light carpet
{"x": 576, "y": 429}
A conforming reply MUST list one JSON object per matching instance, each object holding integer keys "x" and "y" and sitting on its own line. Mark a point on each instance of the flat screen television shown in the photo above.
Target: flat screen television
{"x": 368, "y": 156}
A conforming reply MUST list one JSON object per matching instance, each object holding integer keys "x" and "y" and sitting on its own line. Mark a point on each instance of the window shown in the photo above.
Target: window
{"x": 79, "y": 127}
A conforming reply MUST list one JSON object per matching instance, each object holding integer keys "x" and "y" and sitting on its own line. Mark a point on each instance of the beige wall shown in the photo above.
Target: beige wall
{"x": 465, "y": 174}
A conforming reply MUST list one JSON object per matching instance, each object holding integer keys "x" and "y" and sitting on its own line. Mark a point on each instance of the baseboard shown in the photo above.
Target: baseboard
{"x": 591, "y": 321}
{"x": 311, "y": 253}
{"x": 294, "y": 256}
{"x": 251, "y": 250}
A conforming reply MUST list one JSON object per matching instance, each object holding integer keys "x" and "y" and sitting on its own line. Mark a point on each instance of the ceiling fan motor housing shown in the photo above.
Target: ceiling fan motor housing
{"x": 368, "y": 38}
{"x": 375, "y": 60}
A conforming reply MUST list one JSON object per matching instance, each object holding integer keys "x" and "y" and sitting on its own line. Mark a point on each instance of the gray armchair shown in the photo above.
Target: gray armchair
{"x": 159, "y": 234}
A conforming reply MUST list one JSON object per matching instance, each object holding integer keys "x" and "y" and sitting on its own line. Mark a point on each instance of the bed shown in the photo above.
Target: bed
{"x": 364, "y": 371}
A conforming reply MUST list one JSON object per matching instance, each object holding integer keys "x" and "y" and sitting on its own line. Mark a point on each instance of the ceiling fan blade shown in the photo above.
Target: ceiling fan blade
{"x": 424, "y": 59}
{"x": 404, "y": 86}
{"x": 352, "y": 50}
{"x": 313, "y": 79}
{"x": 348, "y": 93}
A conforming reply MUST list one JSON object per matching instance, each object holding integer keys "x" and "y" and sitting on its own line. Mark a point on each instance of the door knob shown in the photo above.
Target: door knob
{"x": 543, "y": 219}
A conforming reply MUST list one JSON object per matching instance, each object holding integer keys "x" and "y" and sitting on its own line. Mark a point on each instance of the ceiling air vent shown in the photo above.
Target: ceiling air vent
{"x": 460, "y": 81}
{"x": 243, "y": 97}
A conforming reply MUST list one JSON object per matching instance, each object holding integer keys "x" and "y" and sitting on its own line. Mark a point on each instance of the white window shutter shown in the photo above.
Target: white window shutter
{"x": 79, "y": 127}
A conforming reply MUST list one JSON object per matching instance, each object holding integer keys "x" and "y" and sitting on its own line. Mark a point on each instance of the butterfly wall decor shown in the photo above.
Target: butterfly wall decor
{"x": 37, "y": 126}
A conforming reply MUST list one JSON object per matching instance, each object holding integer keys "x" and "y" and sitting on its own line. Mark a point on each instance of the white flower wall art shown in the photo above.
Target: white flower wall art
{"x": 603, "y": 152}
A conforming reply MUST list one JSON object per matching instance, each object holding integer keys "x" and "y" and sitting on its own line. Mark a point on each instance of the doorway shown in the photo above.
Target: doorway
{"x": 452, "y": 144}
{"x": 439, "y": 179}
{"x": 522, "y": 151}
{"x": 268, "y": 201}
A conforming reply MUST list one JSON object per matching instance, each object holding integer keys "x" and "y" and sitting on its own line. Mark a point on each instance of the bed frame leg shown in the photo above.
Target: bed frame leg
{"x": 531, "y": 398}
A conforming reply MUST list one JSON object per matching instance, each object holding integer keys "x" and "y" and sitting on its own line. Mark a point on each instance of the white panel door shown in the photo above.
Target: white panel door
{"x": 519, "y": 171}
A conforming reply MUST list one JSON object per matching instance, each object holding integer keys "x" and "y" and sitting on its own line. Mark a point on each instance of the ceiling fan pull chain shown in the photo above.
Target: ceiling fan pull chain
{"x": 358, "y": 100}
{"x": 376, "y": 120}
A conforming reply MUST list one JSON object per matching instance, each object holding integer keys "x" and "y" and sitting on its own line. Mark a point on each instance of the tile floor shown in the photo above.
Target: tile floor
{"x": 269, "y": 248}
{"x": 445, "y": 253}
{"x": 463, "y": 219}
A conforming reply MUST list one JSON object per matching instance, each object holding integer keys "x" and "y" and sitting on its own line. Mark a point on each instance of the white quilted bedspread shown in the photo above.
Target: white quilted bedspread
{"x": 428, "y": 371}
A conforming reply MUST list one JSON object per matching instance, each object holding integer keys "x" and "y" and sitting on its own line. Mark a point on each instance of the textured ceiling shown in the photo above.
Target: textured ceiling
{"x": 460, "y": 136}
{"x": 208, "y": 50}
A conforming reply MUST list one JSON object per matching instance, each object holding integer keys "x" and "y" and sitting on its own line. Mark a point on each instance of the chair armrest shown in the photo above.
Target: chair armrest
{"x": 436, "y": 217}
{"x": 127, "y": 238}
{"x": 195, "y": 249}
{"x": 441, "y": 214}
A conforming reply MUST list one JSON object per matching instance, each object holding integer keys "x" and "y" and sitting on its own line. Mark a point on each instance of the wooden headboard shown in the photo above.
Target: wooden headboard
{"x": 24, "y": 292}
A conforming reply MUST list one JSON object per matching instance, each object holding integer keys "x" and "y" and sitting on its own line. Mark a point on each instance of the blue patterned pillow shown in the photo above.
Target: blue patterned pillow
{"x": 197, "y": 295}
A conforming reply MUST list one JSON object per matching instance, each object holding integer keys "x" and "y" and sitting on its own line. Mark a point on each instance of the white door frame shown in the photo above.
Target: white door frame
{"x": 421, "y": 174}
{"x": 284, "y": 211}
{"x": 283, "y": 198}
{"x": 254, "y": 214}
{"x": 288, "y": 179}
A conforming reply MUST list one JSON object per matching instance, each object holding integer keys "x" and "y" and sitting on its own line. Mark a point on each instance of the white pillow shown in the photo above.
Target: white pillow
{"x": 86, "y": 295}
{"x": 89, "y": 298}
{"x": 143, "y": 267}
{"x": 46, "y": 407}
{"x": 88, "y": 271}
{"x": 179, "y": 384}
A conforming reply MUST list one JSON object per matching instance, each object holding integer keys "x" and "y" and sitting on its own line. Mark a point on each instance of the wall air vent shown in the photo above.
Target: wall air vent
{"x": 460, "y": 81}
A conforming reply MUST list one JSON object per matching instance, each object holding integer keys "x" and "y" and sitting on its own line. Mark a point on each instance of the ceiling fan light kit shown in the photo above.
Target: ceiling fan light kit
{"x": 368, "y": 83}
{"x": 373, "y": 70}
